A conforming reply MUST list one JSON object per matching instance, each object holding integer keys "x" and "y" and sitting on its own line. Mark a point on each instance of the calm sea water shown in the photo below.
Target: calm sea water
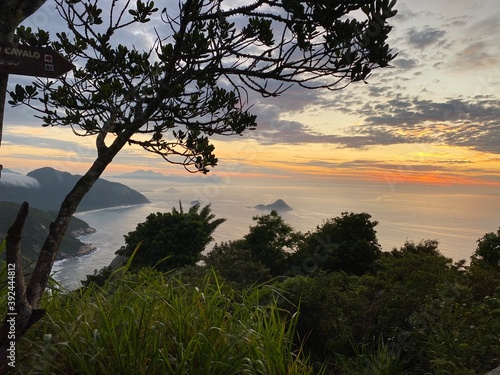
{"x": 455, "y": 217}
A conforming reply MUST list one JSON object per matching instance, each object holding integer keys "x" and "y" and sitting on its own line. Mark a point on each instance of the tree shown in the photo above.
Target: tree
{"x": 348, "y": 243}
{"x": 172, "y": 239}
{"x": 488, "y": 250}
{"x": 260, "y": 254}
{"x": 484, "y": 267}
{"x": 234, "y": 262}
{"x": 194, "y": 80}
{"x": 407, "y": 277}
{"x": 272, "y": 241}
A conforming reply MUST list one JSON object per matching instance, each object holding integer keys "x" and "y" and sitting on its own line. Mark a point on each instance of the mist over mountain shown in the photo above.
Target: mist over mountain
{"x": 7, "y": 170}
{"x": 45, "y": 189}
{"x": 17, "y": 180}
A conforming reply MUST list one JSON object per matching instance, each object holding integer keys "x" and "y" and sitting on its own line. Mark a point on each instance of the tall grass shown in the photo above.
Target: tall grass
{"x": 376, "y": 358}
{"x": 151, "y": 323}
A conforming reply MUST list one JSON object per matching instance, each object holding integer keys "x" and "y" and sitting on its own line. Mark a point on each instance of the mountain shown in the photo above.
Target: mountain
{"x": 45, "y": 188}
{"x": 189, "y": 178}
{"x": 279, "y": 205}
{"x": 36, "y": 229}
{"x": 142, "y": 174}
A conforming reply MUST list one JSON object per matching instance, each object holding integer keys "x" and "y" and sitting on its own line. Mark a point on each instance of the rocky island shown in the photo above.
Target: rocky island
{"x": 279, "y": 205}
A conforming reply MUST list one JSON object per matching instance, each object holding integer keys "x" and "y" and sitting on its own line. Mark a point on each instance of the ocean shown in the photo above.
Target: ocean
{"x": 456, "y": 217}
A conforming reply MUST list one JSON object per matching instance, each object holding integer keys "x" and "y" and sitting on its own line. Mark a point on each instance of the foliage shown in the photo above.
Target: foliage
{"x": 376, "y": 358}
{"x": 414, "y": 301}
{"x": 406, "y": 279}
{"x": 488, "y": 250}
{"x": 99, "y": 277}
{"x": 458, "y": 335}
{"x": 172, "y": 239}
{"x": 484, "y": 267}
{"x": 483, "y": 281}
{"x": 191, "y": 82}
{"x": 152, "y": 323}
{"x": 271, "y": 241}
{"x": 348, "y": 243}
{"x": 332, "y": 311}
{"x": 416, "y": 313}
{"x": 260, "y": 255}
{"x": 233, "y": 261}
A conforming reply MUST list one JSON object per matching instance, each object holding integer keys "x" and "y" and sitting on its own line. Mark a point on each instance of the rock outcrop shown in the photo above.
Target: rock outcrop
{"x": 279, "y": 205}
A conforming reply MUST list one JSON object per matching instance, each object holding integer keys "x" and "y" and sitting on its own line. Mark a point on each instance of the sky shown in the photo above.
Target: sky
{"x": 433, "y": 118}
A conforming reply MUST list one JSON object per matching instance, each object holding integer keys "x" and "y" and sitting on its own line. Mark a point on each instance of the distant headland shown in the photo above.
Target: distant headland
{"x": 151, "y": 175}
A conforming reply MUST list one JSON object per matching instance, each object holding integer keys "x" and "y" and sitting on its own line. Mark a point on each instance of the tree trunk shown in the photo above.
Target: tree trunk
{"x": 4, "y": 78}
{"x": 30, "y": 313}
{"x": 41, "y": 273}
{"x": 18, "y": 309}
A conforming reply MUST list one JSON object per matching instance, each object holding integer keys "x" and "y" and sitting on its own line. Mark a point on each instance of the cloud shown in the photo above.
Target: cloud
{"x": 470, "y": 122}
{"x": 272, "y": 130}
{"x": 405, "y": 64}
{"x": 476, "y": 55}
{"x": 486, "y": 28}
{"x": 276, "y": 131}
{"x": 14, "y": 179}
{"x": 427, "y": 37}
{"x": 467, "y": 122}
{"x": 406, "y": 14}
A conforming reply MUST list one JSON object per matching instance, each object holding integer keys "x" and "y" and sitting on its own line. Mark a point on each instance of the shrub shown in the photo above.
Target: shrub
{"x": 172, "y": 239}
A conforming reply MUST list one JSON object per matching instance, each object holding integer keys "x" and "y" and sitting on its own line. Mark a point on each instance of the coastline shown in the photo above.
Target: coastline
{"x": 86, "y": 249}
{"x": 110, "y": 208}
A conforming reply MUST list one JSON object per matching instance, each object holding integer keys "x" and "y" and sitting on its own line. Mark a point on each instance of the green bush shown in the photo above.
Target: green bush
{"x": 332, "y": 311}
{"x": 457, "y": 333}
{"x": 172, "y": 239}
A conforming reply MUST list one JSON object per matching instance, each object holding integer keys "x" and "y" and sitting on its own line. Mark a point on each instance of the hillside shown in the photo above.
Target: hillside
{"x": 36, "y": 229}
{"x": 45, "y": 189}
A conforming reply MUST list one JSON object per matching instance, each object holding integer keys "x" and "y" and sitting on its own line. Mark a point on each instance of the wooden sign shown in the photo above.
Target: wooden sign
{"x": 32, "y": 61}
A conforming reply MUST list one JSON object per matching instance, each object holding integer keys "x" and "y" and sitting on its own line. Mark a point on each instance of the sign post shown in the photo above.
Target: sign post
{"x": 28, "y": 61}
{"x": 32, "y": 61}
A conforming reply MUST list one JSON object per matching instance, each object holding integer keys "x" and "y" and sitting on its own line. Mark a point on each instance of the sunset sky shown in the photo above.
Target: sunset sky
{"x": 433, "y": 118}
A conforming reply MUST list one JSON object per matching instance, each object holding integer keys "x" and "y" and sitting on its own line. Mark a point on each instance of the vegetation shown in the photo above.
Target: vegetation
{"x": 154, "y": 323}
{"x": 165, "y": 241}
{"x": 348, "y": 243}
{"x": 191, "y": 82}
{"x": 172, "y": 239}
{"x": 36, "y": 229}
{"x": 413, "y": 311}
